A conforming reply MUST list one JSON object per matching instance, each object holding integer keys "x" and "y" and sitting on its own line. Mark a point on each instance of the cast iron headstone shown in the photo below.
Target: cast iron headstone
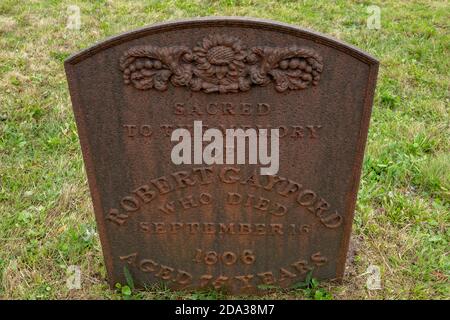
{"x": 222, "y": 223}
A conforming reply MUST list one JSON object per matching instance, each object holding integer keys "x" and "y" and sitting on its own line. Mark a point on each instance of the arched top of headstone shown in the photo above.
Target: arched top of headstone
{"x": 206, "y": 22}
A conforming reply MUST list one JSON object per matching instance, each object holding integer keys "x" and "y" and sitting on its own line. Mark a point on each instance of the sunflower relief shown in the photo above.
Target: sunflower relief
{"x": 222, "y": 64}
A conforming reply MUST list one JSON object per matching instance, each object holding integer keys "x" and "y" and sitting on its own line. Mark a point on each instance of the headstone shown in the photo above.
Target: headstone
{"x": 223, "y": 152}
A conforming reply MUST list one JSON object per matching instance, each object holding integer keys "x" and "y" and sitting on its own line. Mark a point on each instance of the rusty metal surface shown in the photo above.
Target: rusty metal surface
{"x": 222, "y": 225}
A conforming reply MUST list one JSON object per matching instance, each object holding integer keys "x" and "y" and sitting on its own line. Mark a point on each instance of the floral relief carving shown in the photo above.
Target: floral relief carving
{"x": 222, "y": 64}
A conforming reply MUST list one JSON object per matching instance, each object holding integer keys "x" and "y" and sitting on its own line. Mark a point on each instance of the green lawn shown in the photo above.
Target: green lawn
{"x": 403, "y": 210}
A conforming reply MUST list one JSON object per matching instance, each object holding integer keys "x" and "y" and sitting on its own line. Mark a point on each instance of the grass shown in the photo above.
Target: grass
{"x": 403, "y": 210}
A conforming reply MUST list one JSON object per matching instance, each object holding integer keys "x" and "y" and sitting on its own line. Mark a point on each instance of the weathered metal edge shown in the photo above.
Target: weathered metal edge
{"x": 357, "y": 169}
{"x": 90, "y": 169}
{"x": 223, "y": 21}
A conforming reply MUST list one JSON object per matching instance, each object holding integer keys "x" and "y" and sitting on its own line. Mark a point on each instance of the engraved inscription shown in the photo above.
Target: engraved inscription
{"x": 282, "y": 276}
{"x": 132, "y": 130}
{"x": 223, "y": 228}
{"x": 164, "y": 272}
{"x": 288, "y": 189}
{"x": 222, "y": 109}
{"x": 284, "y": 131}
{"x": 227, "y": 258}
